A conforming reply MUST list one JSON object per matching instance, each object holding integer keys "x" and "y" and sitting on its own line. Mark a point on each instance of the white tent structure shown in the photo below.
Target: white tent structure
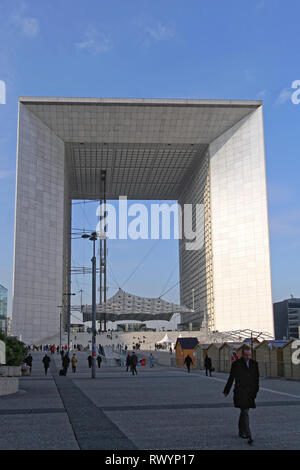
{"x": 125, "y": 306}
{"x": 165, "y": 340}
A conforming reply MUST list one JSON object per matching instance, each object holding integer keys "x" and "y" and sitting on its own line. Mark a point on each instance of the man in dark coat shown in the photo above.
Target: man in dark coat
{"x": 208, "y": 365}
{"x": 128, "y": 361}
{"x": 46, "y": 362}
{"x": 244, "y": 372}
{"x": 133, "y": 363}
{"x": 188, "y": 361}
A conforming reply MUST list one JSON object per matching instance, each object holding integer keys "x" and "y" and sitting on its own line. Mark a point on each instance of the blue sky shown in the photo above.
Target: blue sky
{"x": 238, "y": 49}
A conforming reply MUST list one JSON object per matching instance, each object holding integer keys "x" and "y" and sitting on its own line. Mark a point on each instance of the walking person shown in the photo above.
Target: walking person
{"x": 245, "y": 375}
{"x": 151, "y": 360}
{"x": 208, "y": 365}
{"x": 65, "y": 363}
{"x": 90, "y": 361}
{"x": 28, "y": 361}
{"x": 128, "y": 361}
{"x": 99, "y": 360}
{"x": 46, "y": 362}
{"x": 133, "y": 363}
{"x": 74, "y": 362}
{"x": 188, "y": 361}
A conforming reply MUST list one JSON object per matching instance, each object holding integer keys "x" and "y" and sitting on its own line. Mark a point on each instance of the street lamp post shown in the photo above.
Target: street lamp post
{"x": 68, "y": 294}
{"x": 60, "y": 306}
{"x": 103, "y": 249}
{"x": 93, "y": 238}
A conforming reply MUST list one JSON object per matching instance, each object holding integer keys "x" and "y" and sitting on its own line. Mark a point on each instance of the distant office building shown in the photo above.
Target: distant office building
{"x": 3, "y": 308}
{"x": 287, "y": 318}
{"x": 9, "y": 326}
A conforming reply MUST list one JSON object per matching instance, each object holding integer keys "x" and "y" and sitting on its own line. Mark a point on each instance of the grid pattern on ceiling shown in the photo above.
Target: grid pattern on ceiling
{"x": 145, "y": 122}
{"x": 138, "y": 171}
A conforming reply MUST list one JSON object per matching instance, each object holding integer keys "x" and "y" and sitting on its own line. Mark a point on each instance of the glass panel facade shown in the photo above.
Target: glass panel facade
{"x": 3, "y": 308}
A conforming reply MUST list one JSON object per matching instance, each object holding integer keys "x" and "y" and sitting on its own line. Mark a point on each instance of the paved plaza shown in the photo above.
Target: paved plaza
{"x": 161, "y": 408}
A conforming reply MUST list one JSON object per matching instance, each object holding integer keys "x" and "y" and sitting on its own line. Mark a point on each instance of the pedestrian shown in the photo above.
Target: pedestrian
{"x": 188, "y": 361}
{"x": 99, "y": 360}
{"x": 46, "y": 362}
{"x": 90, "y": 361}
{"x": 208, "y": 365}
{"x": 128, "y": 361}
{"x": 74, "y": 362}
{"x": 151, "y": 360}
{"x": 65, "y": 363}
{"x": 133, "y": 363}
{"x": 245, "y": 375}
{"x": 28, "y": 361}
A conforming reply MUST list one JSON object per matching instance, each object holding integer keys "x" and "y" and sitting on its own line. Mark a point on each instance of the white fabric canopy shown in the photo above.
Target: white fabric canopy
{"x": 165, "y": 339}
{"x": 125, "y": 306}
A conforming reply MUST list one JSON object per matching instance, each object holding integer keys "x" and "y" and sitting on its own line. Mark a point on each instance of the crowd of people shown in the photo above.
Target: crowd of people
{"x": 244, "y": 373}
{"x": 52, "y": 348}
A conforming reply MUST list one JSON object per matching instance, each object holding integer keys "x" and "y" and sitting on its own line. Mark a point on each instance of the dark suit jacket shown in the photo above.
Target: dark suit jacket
{"x": 246, "y": 383}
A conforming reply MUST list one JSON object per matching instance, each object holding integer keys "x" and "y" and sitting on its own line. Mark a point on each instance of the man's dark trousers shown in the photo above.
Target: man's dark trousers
{"x": 244, "y": 422}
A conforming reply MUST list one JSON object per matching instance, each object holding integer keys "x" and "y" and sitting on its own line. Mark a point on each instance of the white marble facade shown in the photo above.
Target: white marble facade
{"x": 39, "y": 223}
{"x": 239, "y": 219}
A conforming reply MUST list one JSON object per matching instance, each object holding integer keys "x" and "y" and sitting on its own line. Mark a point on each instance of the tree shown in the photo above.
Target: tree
{"x": 15, "y": 350}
